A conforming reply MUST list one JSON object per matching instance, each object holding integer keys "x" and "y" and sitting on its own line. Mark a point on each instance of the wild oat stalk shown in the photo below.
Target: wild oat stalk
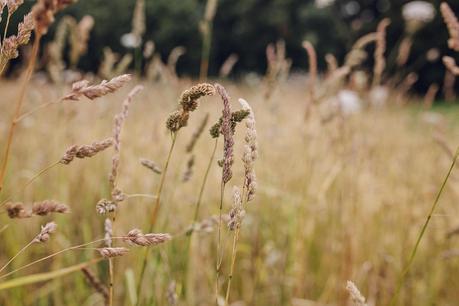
{"x": 407, "y": 267}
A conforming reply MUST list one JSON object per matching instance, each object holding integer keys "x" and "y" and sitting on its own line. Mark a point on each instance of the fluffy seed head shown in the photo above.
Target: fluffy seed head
{"x": 49, "y": 206}
{"x": 17, "y": 211}
{"x": 45, "y": 232}
{"x": 227, "y": 134}
{"x": 105, "y": 206}
{"x": 112, "y": 252}
{"x": 81, "y": 88}
{"x": 85, "y": 150}
{"x": 237, "y": 212}
{"x": 136, "y": 237}
{"x": 150, "y": 165}
{"x": 357, "y": 298}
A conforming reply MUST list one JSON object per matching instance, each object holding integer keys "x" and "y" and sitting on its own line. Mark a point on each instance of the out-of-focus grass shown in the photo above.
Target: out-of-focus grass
{"x": 338, "y": 200}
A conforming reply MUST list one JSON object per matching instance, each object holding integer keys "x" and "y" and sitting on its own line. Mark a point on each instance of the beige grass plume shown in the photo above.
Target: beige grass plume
{"x": 119, "y": 123}
{"x": 47, "y": 207}
{"x": 404, "y": 51}
{"x": 44, "y": 11}
{"x": 46, "y": 232}
{"x": 380, "y": 49}
{"x": 136, "y": 237}
{"x": 108, "y": 229}
{"x": 94, "y": 281}
{"x": 228, "y": 141}
{"x": 82, "y": 88}
{"x": 113, "y": 252}
{"x": 85, "y": 150}
{"x": 228, "y": 65}
{"x": 9, "y": 49}
{"x": 149, "y": 164}
{"x": 312, "y": 56}
{"x": 453, "y": 25}
{"x": 250, "y": 151}
{"x": 17, "y": 211}
{"x": 237, "y": 211}
{"x": 356, "y": 297}
{"x": 79, "y": 39}
{"x": 450, "y": 64}
{"x": 188, "y": 103}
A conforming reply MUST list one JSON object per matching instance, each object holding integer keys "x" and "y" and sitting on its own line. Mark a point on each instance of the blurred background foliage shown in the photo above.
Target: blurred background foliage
{"x": 246, "y": 27}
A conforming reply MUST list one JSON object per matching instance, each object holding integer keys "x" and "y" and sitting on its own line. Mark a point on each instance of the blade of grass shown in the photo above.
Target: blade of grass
{"x": 41, "y": 277}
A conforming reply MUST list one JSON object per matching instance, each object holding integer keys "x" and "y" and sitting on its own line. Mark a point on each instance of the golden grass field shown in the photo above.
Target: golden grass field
{"x": 338, "y": 199}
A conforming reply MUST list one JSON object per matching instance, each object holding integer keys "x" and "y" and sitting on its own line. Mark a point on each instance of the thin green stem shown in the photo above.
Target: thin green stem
{"x": 421, "y": 233}
{"x": 57, "y": 253}
{"x": 17, "y": 254}
{"x": 203, "y": 185}
{"x": 34, "y": 178}
{"x": 219, "y": 246}
{"x": 154, "y": 215}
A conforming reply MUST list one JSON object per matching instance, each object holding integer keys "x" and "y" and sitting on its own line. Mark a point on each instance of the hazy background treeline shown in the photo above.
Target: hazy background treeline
{"x": 246, "y": 27}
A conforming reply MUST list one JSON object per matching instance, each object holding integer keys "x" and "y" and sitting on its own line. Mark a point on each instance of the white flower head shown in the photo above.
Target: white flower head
{"x": 420, "y": 11}
{"x": 130, "y": 40}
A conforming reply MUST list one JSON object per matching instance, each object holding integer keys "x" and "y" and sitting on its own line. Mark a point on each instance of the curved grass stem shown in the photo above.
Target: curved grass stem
{"x": 154, "y": 215}
{"x": 422, "y": 232}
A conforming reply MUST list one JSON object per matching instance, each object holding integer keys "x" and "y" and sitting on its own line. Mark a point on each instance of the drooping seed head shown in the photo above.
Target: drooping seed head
{"x": 136, "y": 237}
{"x": 45, "y": 232}
{"x": 17, "y": 211}
{"x": 113, "y": 252}
{"x": 81, "y": 88}
{"x": 150, "y": 165}
{"x": 85, "y": 150}
{"x": 47, "y": 207}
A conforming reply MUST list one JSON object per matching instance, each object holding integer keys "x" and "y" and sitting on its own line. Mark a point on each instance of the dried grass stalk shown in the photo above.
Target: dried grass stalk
{"x": 150, "y": 165}
{"x": 85, "y": 150}
{"x": 113, "y": 252}
{"x": 250, "y": 152}
{"x": 82, "y": 88}
{"x": 237, "y": 212}
{"x": 47, "y": 207}
{"x": 453, "y": 25}
{"x": 356, "y": 297}
{"x": 136, "y": 237}
{"x": 228, "y": 141}
{"x": 380, "y": 49}
{"x": 450, "y": 64}
{"x": 45, "y": 232}
{"x": 96, "y": 283}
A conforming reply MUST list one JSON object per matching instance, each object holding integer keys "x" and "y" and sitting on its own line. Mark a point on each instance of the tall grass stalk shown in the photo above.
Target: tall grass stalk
{"x": 422, "y": 232}
{"x": 154, "y": 214}
{"x": 17, "y": 112}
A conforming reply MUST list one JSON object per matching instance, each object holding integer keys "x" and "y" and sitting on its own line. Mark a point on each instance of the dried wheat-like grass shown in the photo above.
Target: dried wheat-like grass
{"x": 82, "y": 88}
{"x": 119, "y": 123}
{"x": 250, "y": 152}
{"x": 113, "y": 252}
{"x": 453, "y": 25}
{"x": 79, "y": 39}
{"x": 11, "y": 44}
{"x": 380, "y": 49}
{"x": 45, "y": 232}
{"x": 237, "y": 211}
{"x": 95, "y": 282}
{"x": 105, "y": 206}
{"x": 450, "y": 64}
{"x": 228, "y": 65}
{"x": 357, "y": 298}
{"x": 85, "y": 150}
{"x": 228, "y": 141}
{"x": 136, "y": 237}
{"x": 312, "y": 56}
{"x": 150, "y": 165}
{"x": 44, "y": 11}
{"x": 404, "y": 51}
{"x": 47, "y": 207}
{"x": 188, "y": 103}
{"x": 17, "y": 211}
